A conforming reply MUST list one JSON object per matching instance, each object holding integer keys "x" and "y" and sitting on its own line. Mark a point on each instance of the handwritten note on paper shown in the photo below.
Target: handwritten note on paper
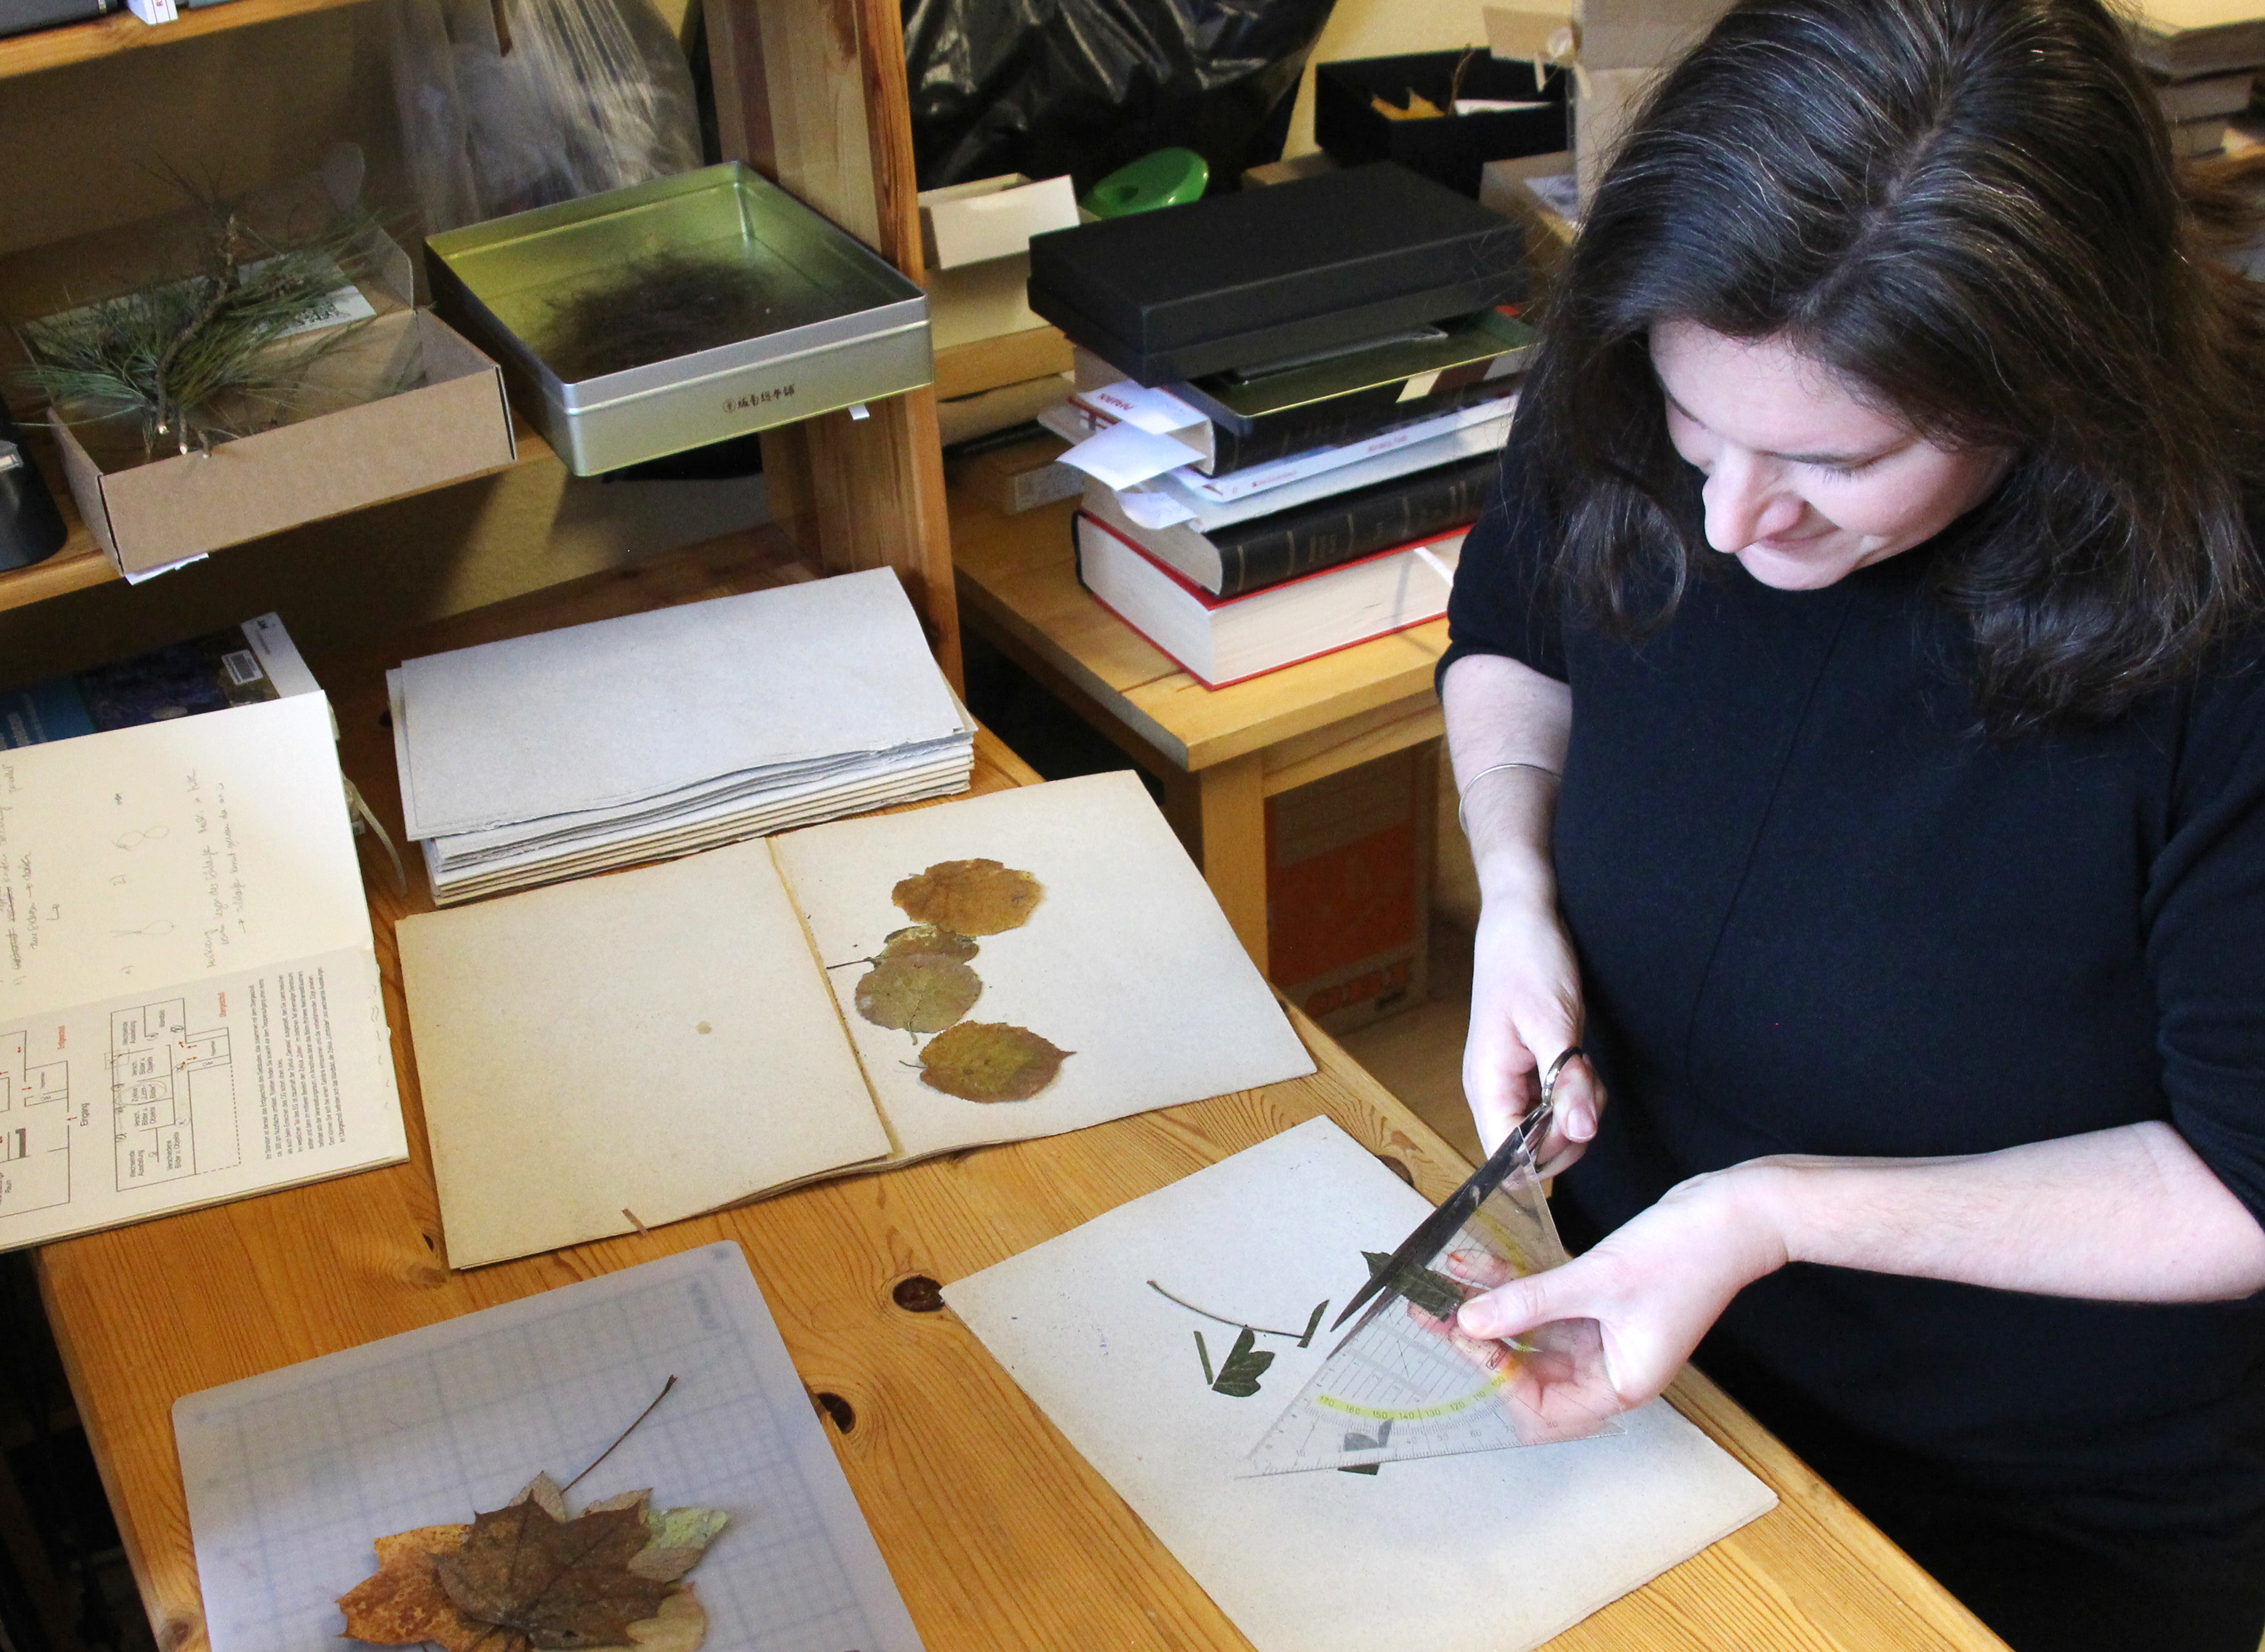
{"x": 173, "y": 851}
{"x": 189, "y": 1006}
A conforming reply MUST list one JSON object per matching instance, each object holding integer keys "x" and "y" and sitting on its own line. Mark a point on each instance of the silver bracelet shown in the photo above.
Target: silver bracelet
{"x": 1462, "y": 799}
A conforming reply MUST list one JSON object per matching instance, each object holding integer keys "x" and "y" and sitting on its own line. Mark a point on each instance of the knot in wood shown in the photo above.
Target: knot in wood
{"x": 918, "y": 1294}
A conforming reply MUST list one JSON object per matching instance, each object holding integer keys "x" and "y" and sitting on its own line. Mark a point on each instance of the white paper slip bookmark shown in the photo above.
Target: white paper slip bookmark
{"x": 1495, "y": 1552}
{"x": 1125, "y": 455}
{"x": 292, "y": 1476}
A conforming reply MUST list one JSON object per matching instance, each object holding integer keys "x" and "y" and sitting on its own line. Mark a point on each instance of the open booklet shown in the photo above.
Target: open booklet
{"x": 627, "y": 1050}
{"x": 189, "y": 999}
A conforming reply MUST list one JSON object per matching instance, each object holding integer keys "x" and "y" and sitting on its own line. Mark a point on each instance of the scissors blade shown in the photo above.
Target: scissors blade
{"x": 1517, "y": 1151}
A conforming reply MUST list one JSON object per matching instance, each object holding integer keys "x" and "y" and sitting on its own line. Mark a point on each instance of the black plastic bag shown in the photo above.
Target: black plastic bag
{"x": 1045, "y": 87}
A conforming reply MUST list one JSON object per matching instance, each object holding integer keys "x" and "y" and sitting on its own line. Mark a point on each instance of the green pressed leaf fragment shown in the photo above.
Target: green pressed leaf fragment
{"x": 1435, "y": 1293}
{"x": 1245, "y": 1364}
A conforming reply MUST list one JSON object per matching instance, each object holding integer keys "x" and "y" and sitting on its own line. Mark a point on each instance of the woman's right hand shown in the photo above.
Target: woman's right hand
{"x": 1525, "y": 1011}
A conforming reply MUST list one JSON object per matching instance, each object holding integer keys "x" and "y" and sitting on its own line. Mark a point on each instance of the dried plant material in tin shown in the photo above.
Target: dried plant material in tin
{"x": 989, "y": 1061}
{"x": 917, "y": 938}
{"x": 917, "y": 992}
{"x": 970, "y": 896}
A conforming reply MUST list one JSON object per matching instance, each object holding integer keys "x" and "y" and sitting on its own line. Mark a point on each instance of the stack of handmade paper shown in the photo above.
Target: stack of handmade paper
{"x": 657, "y": 734}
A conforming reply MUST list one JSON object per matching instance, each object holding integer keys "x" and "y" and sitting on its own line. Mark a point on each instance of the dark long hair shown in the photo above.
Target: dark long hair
{"x": 1968, "y": 209}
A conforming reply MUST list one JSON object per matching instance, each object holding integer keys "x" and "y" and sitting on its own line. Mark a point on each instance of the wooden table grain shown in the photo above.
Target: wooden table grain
{"x": 1219, "y": 753}
{"x": 998, "y": 1533}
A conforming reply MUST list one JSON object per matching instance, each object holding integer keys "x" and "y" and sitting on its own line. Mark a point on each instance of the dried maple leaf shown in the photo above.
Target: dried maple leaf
{"x": 926, "y": 937}
{"x": 989, "y": 1061}
{"x": 402, "y": 1604}
{"x": 919, "y": 992}
{"x": 562, "y": 1585}
{"x": 970, "y": 896}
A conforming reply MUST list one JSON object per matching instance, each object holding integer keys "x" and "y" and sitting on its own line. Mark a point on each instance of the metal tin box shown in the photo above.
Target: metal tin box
{"x": 647, "y": 320}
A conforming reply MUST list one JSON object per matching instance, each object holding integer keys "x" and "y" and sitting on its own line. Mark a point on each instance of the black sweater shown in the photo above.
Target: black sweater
{"x": 1818, "y": 911}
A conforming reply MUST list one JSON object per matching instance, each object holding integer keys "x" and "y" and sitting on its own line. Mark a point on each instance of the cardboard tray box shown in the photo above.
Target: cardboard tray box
{"x": 396, "y": 405}
{"x": 1452, "y": 148}
{"x": 450, "y": 425}
{"x": 1235, "y": 281}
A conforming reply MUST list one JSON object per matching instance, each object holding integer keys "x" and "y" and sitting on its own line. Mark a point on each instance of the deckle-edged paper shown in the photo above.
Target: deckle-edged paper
{"x": 645, "y": 1047}
{"x": 625, "y": 1050}
{"x": 1127, "y": 962}
{"x": 595, "y": 715}
{"x": 189, "y": 1001}
{"x": 1495, "y": 1552}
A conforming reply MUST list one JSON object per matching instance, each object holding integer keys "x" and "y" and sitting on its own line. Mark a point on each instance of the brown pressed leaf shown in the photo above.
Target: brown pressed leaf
{"x": 402, "y": 1604}
{"x": 970, "y": 896}
{"x": 989, "y": 1061}
{"x": 926, "y": 937}
{"x": 920, "y": 993}
{"x": 562, "y": 1585}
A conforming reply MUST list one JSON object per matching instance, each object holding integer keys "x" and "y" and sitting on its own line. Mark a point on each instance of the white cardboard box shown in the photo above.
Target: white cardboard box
{"x": 992, "y": 217}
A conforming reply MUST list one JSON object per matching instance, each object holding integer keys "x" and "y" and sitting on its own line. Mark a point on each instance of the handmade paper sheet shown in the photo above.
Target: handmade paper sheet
{"x": 1127, "y": 962}
{"x": 632, "y": 1048}
{"x": 1495, "y": 1552}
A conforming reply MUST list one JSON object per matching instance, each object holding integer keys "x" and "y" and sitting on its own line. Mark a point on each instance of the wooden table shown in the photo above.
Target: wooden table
{"x": 1220, "y": 752}
{"x": 998, "y": 1533}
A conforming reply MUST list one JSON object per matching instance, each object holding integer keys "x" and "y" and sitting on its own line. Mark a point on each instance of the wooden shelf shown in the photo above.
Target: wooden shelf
{"x": 80, "y": 562}
{"x": 123, "y": 31}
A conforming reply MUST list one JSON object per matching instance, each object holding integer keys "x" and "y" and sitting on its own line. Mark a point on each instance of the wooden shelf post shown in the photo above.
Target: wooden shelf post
{"x": 812, "y": 94}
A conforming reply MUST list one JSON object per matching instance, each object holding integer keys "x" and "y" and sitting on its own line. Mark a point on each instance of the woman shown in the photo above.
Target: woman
{"x": 1874, "y": 566}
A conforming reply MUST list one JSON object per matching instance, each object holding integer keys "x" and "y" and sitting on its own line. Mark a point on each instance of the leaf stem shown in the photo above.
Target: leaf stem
{"x": 1223, "y": 1319}
{"x": 624, "y": 1434}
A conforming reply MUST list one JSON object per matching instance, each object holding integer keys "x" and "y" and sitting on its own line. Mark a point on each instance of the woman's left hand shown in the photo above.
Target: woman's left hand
{"x": 1655, "y": 1286}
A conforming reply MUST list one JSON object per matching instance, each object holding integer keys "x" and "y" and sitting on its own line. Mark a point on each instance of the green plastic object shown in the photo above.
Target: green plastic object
{"x": 1169, "y": 177}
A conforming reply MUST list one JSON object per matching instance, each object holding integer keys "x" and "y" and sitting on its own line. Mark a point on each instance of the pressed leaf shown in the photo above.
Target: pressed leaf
{"x": 989, "y": 1061}
{"x": 917, "y": 938}
{"x": 970, "y": 896}
{"x": 919, "y": 992}
{"x": 1435, "y": 1293}
{"x": 562, "y": 1585}
{"x": 402, "y": 1603}
{"x": 1244, "y": 1364}
{"x": 678, "y": 1538}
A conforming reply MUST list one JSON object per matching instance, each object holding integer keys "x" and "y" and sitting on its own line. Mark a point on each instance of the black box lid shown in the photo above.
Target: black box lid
{"x": 1233, "y": 281}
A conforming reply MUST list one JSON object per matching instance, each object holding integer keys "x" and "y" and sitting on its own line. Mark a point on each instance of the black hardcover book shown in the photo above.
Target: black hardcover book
{"x": 1310, "y": 265}
{"x": 1268, "y": 550}
{"x": 22, "y": 17}
{"x": 1332, "y": 424}
{"x": 1265, "y": 551}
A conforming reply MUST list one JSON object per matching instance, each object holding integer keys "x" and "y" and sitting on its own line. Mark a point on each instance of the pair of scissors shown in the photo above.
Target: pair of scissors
{"x": 1515, "y": 1153}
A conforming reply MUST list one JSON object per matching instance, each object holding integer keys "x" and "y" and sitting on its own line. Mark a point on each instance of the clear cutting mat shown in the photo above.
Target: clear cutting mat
{"x": 292, "y": 1474}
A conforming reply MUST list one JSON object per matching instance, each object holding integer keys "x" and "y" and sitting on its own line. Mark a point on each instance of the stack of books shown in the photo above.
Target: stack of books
{"x": 1286, "y": 415}
{"x": 657, "y": 734}
{"x": 2205, "y": 55}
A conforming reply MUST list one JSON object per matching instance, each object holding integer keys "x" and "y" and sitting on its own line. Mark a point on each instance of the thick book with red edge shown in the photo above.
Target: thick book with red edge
{"x": 1223, "y": 640}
